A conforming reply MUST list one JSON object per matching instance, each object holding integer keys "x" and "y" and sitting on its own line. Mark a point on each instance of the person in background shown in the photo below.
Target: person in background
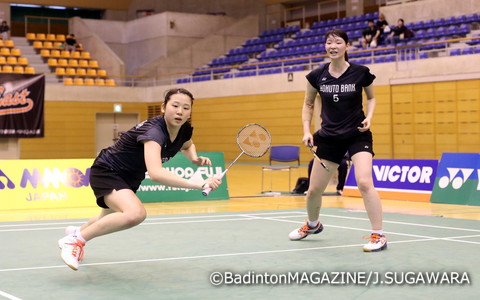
{"x": 384, "y": 28}
{"x": 398, "y": 33}
{"x": 370, "y": 35}
{"x": 4, "y": 29}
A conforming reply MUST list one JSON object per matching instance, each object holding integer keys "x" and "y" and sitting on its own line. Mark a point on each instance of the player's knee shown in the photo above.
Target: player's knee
{"x": 364, "y": 185}
{"x": 135, "y": 217}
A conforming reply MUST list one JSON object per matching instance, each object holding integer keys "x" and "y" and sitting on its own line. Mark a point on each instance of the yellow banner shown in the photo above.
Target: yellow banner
{"x": 47, "y": 183}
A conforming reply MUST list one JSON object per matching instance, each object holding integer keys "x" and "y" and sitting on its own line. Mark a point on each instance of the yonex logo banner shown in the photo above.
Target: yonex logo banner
{"x": 457, "y": 180}
{"x": 402, "y": 179}
{"x": 179, "y": 165}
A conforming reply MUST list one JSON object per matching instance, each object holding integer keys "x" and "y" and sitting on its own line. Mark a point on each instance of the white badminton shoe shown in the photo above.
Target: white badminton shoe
{"x": 304, "y": 231}
{"x": 377, "y": 242}
{"x": 71, "y": 251}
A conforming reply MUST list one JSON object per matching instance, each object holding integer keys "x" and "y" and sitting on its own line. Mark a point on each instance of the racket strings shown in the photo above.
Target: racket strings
{"x": 254, "y": 140}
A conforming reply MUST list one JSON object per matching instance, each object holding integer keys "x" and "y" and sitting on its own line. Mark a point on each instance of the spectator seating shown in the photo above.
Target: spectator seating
{"x": 76, "y": 65}
{"x": 11, "y": 59}
{"x": 285, "y": 48}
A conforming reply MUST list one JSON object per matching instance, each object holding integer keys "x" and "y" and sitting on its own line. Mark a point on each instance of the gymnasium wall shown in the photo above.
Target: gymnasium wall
{"x": 143, "y": 43}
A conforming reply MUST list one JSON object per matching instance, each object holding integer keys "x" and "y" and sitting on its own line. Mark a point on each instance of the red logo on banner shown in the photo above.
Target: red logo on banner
{"x": 16, "y": 103}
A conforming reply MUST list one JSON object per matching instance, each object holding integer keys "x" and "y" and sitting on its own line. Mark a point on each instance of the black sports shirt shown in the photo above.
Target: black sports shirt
{"x": 126, "y": 156}
{"x": 342, "y": 109}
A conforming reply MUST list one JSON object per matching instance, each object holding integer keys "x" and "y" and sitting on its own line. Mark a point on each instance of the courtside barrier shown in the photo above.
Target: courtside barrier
{"x": 399, "y": 179}
{"x": 457, "y": 180}
{"x": 64, "y": 183}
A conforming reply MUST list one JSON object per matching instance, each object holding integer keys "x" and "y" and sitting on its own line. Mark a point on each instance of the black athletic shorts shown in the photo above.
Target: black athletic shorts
{"x": 333, "y": 149}
{"x": 104, "y": 180}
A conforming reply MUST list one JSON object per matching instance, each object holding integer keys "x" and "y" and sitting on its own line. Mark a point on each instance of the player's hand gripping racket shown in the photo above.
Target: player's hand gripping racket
{"x": 318, "y": 158}
{"x": 254, "y": 140}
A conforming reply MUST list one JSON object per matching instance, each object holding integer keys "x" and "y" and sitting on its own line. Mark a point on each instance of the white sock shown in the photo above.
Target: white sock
{"x": 312, "y": 224}
{"x": 79, "y": 236}
{"x": 380, "y": 232}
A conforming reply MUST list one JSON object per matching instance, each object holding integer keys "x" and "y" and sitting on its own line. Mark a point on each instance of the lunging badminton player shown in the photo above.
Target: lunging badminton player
{"x": 118, "y": 171}
{"x": 345, "y": 127}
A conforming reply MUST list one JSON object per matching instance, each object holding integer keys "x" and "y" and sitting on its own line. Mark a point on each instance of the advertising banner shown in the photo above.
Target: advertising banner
{"x": 21, "y": 105}
{"x": 398, "y": 179}
{"x": 457, "y": 180}
{"x": 64, "y": 183}
{"x": 181, "y": 166}
{"x": 48, "y": 183}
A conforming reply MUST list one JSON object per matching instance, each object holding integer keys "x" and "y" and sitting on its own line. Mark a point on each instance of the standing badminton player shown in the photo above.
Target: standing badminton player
{"x": 118, "y": 171}
{"x": 345, "y": 127}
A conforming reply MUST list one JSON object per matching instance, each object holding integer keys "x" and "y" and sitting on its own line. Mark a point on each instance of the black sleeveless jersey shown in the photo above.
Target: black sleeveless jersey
{"x": 126, "y": 156}
{"x": 342, "y": 109}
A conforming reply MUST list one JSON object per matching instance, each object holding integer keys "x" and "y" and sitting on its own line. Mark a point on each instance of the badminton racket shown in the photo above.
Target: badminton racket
{"x": 318, "y": 158}
{"x": 254, "y": 140}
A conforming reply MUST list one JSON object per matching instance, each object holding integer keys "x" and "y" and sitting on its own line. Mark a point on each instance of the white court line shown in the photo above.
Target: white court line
{"x": 418, "y": 239}
{"x": 250, "y": 216}
{"x": 369, "y": 230}
{"x": 8, "y": 296}
{"x": 151, "y": 219}
{"x": 401, "y": 223}
{"x": 202, "y": 256}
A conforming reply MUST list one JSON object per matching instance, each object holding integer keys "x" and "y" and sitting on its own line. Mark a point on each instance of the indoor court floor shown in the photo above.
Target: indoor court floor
{"x": 183, "y": 249}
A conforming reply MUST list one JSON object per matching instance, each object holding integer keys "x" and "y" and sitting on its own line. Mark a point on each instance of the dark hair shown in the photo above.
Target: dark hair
{"x": 340, "y": 33}
{"x": 168, "y": 94}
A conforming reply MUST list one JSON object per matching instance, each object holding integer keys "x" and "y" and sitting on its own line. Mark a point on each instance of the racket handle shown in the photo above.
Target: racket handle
{"x": 208, "y": 189}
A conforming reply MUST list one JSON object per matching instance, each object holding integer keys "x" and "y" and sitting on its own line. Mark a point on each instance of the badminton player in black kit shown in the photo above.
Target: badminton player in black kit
{"x": 345, "y": 127}
{"x": 118, "y": 171}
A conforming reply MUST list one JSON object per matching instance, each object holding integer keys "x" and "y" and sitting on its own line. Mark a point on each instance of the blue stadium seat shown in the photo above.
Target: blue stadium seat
{"x": 452, "y": 30}
{"x": 380, "y": 59}
{"x": 477, "y": 50}
{"x": 467, "y": 51}
{"x": 390, "y": 58}
{"x": 439, "y": 22}
{"x": 449, "y": 21}
{"x": 461, "y": 19}
{"x": 473, "y": 18}
{"x": 464, "y": 29}
{"x": 475, "y": 41}
{"x": 423, "y": 55}
{"x": 455, "y": 52}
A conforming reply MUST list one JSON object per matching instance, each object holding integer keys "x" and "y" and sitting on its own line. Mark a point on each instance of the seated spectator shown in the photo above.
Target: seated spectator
{"x": 370, "y": 35}
{"x": 4, "y": 29}
{"x": 382, "y": 25}
{"x": 398, "y": 33}
{"x": 71, "y": 43}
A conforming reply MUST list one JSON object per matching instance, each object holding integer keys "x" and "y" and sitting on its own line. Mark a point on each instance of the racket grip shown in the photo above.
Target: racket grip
{"x": 207, "y": 190}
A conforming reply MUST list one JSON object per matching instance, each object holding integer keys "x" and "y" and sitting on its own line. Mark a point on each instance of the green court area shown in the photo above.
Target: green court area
{"x": 177, "y": 257}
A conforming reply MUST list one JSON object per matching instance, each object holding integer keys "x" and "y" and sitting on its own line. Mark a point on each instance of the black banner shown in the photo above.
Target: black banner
{"x": 22, "y": 105}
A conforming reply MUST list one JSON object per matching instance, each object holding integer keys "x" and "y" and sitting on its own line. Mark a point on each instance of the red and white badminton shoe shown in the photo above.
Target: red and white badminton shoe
{"x": 73, "y": 230}
{"x": 377, "y": 242}
{"x": 305, "y": 230}
{"x": 71, "y": 251}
